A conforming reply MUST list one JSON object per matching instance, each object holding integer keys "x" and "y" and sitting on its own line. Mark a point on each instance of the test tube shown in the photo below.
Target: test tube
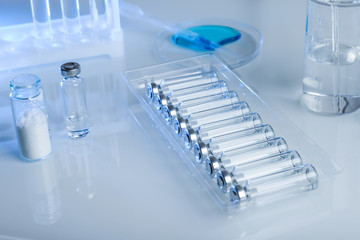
{"x": 214, "y": 129}
{"x": 263, "y": 167}
{"x": 276, "y": 186}
{"x": 195, "y": 120}
{"x": 98, "y": 11}
{"x": 233, "y": 140}
{"x": 71, "y": 16}
{"x": 199, "y": 104}
{"x": 174, "y": 97}
{"x": 179, "y": 82}
{"x": 41, "y": 16}
{"x": 246, "y": 154}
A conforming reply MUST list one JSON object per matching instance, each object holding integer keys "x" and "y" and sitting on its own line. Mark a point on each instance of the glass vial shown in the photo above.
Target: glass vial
{"x": 204, "y": 132}
{"x": 231, "y": 141}
{"x": 244, "y": 155}
{"x": 195, "y": 120}
{"x": 253, "y": 170}
{"x": 73, "y": 91}
{"x": 276, "y": 186}
{"x": 194, "y": 78}
{"x": 188, "y": 107}
{"x": 176, "y": 96}
{"x": 30, "y": 117}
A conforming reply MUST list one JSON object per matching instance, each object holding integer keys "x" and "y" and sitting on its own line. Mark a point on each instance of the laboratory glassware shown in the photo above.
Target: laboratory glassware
{"x": 30, "y": 117}
{"x": 276, "y": 186}
{"x": 243, "y": 155}
{"x": 183, "y": 81}
{"x": 205, "y": 132}
{"x": 331, "y": 81}
{"x": 176, "y": 96}
{"x": 73, "y": 91}
{"x": 195, "y": 120}
{"x": 71, "y": 17}
{"x": 200, "y": 104}
{"x": 262, "y": 167}
{"x": 41, "y": 16}
{"x": 233, "y": 140}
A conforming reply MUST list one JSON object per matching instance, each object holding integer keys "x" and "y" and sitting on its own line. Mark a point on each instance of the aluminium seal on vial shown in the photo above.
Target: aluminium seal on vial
{"x": 170, "y": 112}
{"x": 238, "y": 195}
{"x": 162, "y": 101}
{"x": 190, "y": 137}
{"x": 212, "y": 165}
{"x": 224, "y": 180}
{"x": 201, "y": 150}
{"x": 70, "y": 69}
{"x": 152, "y": 90}
{"x": 180, "y": 125}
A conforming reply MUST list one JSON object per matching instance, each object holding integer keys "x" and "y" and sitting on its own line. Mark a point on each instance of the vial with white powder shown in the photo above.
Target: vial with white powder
{"x": 31, "y": 120}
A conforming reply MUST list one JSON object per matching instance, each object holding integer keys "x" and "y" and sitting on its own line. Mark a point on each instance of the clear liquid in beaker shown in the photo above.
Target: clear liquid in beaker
{"x": 332, "y": 84}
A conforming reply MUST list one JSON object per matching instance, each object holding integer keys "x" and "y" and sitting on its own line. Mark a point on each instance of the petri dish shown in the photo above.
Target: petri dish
{"x": 235, "y": 53}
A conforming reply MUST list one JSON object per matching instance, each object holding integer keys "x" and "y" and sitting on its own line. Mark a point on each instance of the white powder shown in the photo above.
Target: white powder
{"x": 33, "y": 134}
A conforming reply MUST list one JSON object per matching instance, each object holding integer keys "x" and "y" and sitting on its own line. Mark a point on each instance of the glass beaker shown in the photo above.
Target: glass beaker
{"x": 331, "y": 81}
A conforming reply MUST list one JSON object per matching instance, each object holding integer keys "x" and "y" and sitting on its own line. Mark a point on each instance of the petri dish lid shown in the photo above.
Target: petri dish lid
{"x": 235, "y": 54}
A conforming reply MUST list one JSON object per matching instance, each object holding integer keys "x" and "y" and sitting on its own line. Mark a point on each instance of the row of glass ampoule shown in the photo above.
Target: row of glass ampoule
{"x": 239, "y": 151}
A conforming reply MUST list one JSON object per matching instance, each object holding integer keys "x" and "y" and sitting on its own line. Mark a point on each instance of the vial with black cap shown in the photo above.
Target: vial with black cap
{"x": 73, "y": 91}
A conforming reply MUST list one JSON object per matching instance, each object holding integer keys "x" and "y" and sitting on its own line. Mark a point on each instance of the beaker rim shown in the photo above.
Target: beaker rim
{"x": 340, "y": 3}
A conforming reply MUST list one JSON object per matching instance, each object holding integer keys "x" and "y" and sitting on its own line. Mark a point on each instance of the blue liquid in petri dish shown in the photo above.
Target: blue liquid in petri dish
{"x": 210, "y": 37}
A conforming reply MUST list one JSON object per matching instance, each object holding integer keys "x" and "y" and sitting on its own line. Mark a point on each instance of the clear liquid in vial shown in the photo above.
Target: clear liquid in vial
{"x": 77, "y": 125}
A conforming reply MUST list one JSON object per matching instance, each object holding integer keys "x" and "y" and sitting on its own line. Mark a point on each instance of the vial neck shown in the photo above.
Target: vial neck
{"x": 24, "y": 94}
{"x": 25, "y": 86}
{"x": 71, "y": 78}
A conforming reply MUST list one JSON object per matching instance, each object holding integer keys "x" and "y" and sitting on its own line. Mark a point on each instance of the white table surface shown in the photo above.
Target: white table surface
{"x": 118, "y": 183}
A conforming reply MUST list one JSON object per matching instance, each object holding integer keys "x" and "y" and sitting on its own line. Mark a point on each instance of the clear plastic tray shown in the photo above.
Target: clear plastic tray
{"x": 137, "y": 80}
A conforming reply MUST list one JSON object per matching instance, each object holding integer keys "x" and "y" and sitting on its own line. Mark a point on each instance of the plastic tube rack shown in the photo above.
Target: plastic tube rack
{"x": 73, "y": 36}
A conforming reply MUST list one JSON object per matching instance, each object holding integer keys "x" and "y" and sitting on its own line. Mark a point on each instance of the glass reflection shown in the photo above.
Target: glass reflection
{"x": 43, "y": 191}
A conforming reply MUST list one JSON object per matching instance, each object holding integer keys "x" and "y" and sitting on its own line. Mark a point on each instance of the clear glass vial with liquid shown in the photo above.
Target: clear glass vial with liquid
{"x": 30, "y": 117}
{"x": 73, "y": 91}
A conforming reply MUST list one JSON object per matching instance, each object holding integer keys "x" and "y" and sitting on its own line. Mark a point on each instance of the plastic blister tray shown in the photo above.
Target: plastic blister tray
{"x": 139, "y": 78}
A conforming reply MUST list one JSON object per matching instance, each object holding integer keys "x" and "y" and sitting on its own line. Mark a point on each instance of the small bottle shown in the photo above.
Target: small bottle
{"x": 31, "y": 119}
{"x": 73, "y": 91}
{"x": 275, "y": 186}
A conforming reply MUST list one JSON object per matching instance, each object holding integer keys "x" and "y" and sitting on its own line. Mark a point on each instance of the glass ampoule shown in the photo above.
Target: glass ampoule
{"x": 246, "y": 154}
{"x": 262, "y": 167}
{"x": 204, "y": 132}
{"x": 182, "y": 80}
{"x": 195, "y": 120}
{"x": 174, "y": 97}
{"x": 276, "y": 186}
{"x": 188, "y": 107}
{"x": 231, "y": 141}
